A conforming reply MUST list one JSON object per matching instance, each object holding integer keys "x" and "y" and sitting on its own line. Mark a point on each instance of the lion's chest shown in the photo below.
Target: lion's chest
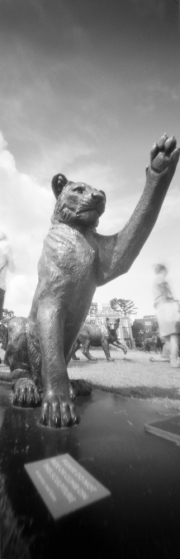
{"x": 69, "y": 259}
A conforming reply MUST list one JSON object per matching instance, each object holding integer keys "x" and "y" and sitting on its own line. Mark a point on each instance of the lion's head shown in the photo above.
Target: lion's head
{"x": 112, "y": 326}
{"x": 77, "y": 202}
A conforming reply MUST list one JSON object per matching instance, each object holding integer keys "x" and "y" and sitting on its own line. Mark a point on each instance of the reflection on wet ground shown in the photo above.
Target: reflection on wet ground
{"x": 139, "y": 520}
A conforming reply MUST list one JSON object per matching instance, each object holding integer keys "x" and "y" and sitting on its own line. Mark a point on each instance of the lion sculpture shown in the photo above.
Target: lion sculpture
{"x": 75, "y": 261}
{"x": 98, "y": 335}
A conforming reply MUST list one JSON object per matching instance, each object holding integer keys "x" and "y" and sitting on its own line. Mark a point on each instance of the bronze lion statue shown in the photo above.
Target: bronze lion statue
{"x": 98, "y": 335}
{"x": 75, "y": 261}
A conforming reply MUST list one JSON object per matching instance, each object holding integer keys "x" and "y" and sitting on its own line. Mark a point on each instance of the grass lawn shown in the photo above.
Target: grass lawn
{"x": 133, "y": 375}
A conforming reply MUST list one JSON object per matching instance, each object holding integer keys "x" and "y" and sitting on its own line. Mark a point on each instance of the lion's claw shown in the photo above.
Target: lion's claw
{"x": 58, "y": 413}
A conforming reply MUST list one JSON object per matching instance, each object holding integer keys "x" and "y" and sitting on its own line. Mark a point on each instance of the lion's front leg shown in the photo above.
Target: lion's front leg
{"x": 118, "y": 252}
{"x": 121, "y": 346}
{"x": 105, "y": 347}
{"x": 58, "y": 409}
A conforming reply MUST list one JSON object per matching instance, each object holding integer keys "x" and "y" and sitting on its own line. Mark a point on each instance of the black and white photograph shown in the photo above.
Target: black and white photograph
{"x": 89, "y": 279}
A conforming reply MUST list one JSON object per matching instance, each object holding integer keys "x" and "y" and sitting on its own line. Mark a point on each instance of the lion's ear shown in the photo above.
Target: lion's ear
{"x": 58, "y": 183}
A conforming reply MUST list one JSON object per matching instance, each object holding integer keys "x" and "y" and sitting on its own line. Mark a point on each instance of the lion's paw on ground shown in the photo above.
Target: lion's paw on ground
{"x": 80, "y": 388}
{"x": 57, "y": 412}
{"x": 26, "y": 393}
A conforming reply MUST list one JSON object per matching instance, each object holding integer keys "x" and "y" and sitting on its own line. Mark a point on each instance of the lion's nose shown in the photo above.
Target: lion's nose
{"x": 98, "y": 196}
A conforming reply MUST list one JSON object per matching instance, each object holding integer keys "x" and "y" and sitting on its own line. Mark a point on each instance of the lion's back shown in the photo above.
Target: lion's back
{"x": 93, "y": 332}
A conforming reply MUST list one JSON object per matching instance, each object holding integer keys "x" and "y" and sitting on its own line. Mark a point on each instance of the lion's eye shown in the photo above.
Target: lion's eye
{"x": 79, "y": 189}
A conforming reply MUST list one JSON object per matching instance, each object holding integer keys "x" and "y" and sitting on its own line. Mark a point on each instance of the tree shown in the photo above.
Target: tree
{"x": 92, "y": 313}
{"x": 7, "y": 315}
{"x": 93, "y": 309}
{"x": 155, "y": 327}
{"x": 138, "y": 327}
{"x": 125, "y": 306}
{"x": 138, "y": 331}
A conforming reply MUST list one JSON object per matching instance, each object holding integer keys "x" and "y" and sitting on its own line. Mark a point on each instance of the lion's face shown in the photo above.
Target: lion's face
{"x": 79, "y": 203}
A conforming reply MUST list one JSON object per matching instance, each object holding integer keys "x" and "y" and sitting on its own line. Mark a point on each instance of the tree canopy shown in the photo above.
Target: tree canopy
{"x": 93, "y": 309}
{"x": 124, "y": 306}
{"x": 6, "y": 315}
{"x": 138, "y": 327}
{"x": 138, "y": 331}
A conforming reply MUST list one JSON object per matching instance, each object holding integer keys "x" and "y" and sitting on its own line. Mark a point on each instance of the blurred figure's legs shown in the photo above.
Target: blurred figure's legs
{"x": 174, "y": 350}
{"x": 2, "y": 294}
{"x": 166, "y": 348}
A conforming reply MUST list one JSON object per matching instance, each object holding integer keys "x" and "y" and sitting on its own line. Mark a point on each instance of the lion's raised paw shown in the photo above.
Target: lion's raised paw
{"x": 164, "y": 154}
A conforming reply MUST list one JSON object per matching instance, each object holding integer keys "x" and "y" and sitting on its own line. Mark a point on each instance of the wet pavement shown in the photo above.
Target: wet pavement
{"x": 141, "y": 517}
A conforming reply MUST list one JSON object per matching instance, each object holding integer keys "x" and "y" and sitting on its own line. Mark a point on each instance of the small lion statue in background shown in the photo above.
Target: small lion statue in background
{"x": 75, "y": 261}
{"x": 97, "y": 335}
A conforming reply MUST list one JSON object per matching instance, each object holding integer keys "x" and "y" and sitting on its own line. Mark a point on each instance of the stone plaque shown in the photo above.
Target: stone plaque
{"x": 64, "y": 485}
{"x": 166, "y": 429}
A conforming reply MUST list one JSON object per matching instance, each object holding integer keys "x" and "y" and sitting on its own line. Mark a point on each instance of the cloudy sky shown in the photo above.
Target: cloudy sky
{"x": 86, "y": 88}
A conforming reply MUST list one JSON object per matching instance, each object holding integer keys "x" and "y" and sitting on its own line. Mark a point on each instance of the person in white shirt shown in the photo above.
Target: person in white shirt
{"x": 6, "y": 262}
{"x": 167, "y": 312}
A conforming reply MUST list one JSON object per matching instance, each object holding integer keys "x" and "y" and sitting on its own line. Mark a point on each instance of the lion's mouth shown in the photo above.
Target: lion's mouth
{"x": 99, "y": 209}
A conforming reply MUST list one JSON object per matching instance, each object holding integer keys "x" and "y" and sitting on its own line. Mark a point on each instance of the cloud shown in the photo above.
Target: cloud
{"x": 49, "y": 27}
{"x": 171, "y": 206}
{"x": 25, "y": 212}
{"x": 151, "y": 96}
{"x": 26, "y": 208}
{"x": 159, "y": 88}
{"x": 147, "y": 8}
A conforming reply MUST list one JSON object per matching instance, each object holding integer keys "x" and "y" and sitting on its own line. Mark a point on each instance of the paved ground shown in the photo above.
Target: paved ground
{"x": 141, "y": 517}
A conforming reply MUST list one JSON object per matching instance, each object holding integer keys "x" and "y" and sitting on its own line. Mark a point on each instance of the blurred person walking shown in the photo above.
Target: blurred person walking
{"x": 6, "y": 262}
{"x": 167, "y": 312}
